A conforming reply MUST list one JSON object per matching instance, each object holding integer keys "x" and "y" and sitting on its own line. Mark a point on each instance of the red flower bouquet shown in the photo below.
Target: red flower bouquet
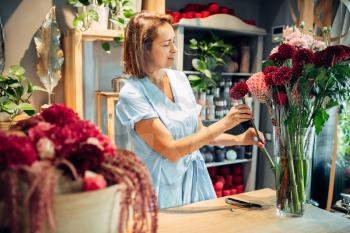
{"x": 301, "y": 79}
{"x": 55, "y": 150}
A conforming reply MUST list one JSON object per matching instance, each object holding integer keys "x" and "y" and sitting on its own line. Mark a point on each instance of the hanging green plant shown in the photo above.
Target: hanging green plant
{"x": 208, "y": 61}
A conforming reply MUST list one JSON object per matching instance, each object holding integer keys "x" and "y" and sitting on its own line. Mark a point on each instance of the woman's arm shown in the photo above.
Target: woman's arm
{"x": 224, "y": 139}
{"x": 157, "y": 136}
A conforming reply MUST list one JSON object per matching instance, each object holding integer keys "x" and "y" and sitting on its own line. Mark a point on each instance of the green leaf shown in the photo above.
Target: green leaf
{"x": 118, "y": 39}
{"x": 3, "y": 78}
{"x": 3, "y": 98}
{"x": 94, "y": 15}
{"x": 125, "y": 3}
{"x": 78, "y": 23}
{"x": 15, "y": 85}
{"x": 192, "y": 77}
{"x": 321, "y": 79}
{"x": 320, "y": 118}
{"x": 17, "y": 70}
{"x": 332, "y": 103}
{"x": 128, "y": 13}
{"x": 85, "y": 2}
{"x": 207, "y": 73}
{"x": 193, "y": 42}
{"x": 30, "y": 87}
{"x": 72, "y": 2}
{"x": 106, "y": 47}
{"x": 27, "y": 108}
{"x": 199, "y": 65}
{"x": 38, "y": 88}
{"x": 192, "y": 46}
{"x": 9, "y": 105}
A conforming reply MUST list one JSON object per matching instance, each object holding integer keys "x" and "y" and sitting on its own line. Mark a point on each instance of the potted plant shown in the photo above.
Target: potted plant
{"x": 120, "y": 11}
{"x": 209, "y": 61}
{"x": 15, "y": 92}
{"x": 55, "y": 164}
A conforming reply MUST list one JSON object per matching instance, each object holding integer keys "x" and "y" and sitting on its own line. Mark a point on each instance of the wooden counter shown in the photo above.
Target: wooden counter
{"x": 219, "y": 217}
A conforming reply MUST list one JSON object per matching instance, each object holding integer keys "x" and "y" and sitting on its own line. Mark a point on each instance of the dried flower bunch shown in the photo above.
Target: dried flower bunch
{"x": 58, "y": 142}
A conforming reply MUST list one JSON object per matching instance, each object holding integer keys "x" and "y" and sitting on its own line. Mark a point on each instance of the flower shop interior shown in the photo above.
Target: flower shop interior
{"x": 61, "y": 56}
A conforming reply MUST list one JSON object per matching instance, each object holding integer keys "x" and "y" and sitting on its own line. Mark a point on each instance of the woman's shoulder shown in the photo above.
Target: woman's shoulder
{"x": 131, "y": 88}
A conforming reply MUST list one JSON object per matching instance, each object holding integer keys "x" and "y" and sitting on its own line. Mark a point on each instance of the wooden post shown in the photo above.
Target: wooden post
{"x": 157, "y": 6}
{"x": 333, "y": 166}
{"x": 306, "y": 11}
{"x": 73, "y": 68}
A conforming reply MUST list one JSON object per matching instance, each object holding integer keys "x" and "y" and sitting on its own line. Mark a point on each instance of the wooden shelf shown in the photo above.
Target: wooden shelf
{"x": 100, "y": 35}
{"x": 227, "y": 162}
{"x": 223, "y": 74}
{"x": 221, "y": 22}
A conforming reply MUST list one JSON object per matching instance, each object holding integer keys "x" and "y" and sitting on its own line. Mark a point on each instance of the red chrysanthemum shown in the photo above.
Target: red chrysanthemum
{"x": 59, "y": 114}
{"x": 300, "y": 58}
{"x": 331, "y": 55}
{"x": 281, "y": 76}
{"x": 285, "y": 51}
{"x": 280, "y": 98}
{"x": 238, "y": 91}
{"x": 16, "y": 151}
{"x": 87, "y": 157}
{"x": 268, "y": 74}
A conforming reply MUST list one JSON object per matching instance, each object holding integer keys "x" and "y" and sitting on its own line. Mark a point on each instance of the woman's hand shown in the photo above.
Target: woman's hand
{"x": 249, "y": 137}
{"x": 237, "y": 115}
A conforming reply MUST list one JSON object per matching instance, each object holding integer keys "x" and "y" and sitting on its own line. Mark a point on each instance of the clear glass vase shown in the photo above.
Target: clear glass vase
{"x": 293, "y": 149}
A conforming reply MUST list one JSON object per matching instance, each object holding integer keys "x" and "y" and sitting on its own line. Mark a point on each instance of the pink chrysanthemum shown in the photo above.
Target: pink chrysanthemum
{"x": 258, "y": 87}
{"x": 239, "y": 90}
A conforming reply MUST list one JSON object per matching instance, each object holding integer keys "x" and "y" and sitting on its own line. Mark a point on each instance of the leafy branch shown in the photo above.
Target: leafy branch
{"x": 208, "y": 61}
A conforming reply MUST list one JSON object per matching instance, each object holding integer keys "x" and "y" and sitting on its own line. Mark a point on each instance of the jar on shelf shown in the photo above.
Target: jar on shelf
{"x": 219, "y": 102}
{"x": 219, "y": 112}
{"x": 245, "y": 59}
{"x": 210, "y": 99}
{"x": 202, "y": 98}
{"x": 211, "y": 112}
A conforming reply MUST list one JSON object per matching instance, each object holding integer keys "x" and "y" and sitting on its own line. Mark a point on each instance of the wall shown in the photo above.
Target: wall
{"x": 21, "y": 20}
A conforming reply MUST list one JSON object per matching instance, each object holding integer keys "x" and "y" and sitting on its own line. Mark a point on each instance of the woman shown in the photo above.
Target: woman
{"x": 158, "y": 108}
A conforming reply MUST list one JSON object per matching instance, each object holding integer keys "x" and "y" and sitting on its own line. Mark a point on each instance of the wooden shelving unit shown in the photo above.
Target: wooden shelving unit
{"x": 73, "y": 64}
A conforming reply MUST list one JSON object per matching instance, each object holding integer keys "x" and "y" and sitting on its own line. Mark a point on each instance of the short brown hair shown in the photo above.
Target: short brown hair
{"x": 138, "y": 38}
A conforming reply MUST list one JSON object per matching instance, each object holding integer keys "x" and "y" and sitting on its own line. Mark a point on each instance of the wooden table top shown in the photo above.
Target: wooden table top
{"x": 217, "y": 216}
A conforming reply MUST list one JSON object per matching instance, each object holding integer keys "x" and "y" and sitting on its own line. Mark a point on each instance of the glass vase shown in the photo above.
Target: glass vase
{"x": 293, "y": 150}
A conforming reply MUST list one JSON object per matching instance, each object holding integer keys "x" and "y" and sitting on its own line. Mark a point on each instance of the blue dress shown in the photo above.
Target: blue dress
{"x": 187, "y": 180}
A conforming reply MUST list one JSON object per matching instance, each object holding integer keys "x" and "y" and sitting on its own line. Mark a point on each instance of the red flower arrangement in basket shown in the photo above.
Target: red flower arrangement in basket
{"x": 38, "y": 152}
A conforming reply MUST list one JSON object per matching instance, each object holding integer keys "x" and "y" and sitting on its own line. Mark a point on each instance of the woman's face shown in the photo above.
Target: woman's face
{"x": 163, "y": 48}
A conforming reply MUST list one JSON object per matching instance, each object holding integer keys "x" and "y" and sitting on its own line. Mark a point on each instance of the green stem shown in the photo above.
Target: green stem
{"x": 295, "y": 195}
{"x": 263, "y": 149}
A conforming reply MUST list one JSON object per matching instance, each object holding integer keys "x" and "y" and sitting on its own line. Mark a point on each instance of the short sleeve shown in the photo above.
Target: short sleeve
{"x": 133, "y": 107}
